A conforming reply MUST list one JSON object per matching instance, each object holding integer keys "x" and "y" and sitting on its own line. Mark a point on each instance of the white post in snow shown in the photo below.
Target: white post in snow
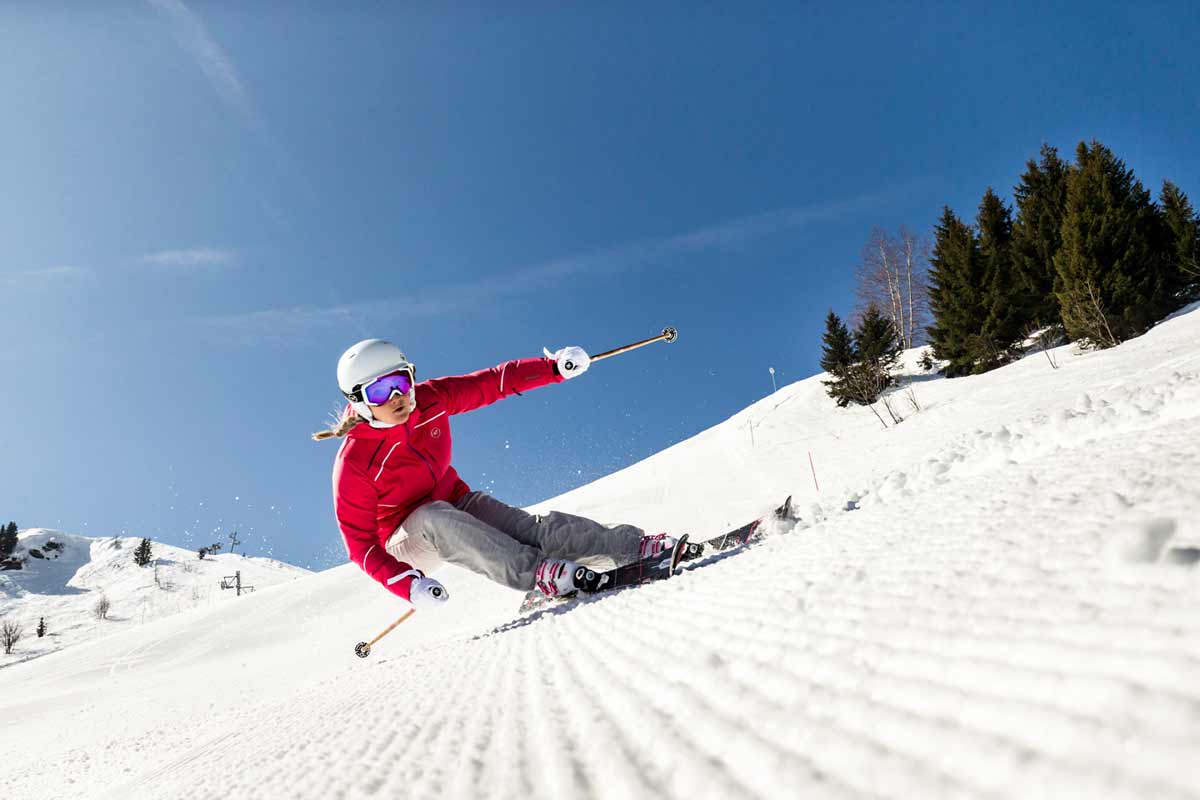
{"x": 774, "y": 388}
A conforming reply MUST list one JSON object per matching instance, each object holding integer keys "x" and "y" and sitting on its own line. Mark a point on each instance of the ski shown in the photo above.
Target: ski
{"x": 738, "y": 536}
{"x": 590, "y": 581}
{"x": 657, "y": 567}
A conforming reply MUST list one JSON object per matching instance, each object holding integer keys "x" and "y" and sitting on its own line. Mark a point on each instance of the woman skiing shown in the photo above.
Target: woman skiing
{"x": 403, "y": 509}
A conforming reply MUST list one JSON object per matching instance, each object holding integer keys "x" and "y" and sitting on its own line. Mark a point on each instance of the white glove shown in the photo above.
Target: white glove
{"x": 427, "y": 593}
{"x": 572, "y": 361}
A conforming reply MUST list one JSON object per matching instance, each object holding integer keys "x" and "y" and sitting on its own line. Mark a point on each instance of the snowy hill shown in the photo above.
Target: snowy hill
{"x": 64, "y": 575}
{"x": 995, "y": 598}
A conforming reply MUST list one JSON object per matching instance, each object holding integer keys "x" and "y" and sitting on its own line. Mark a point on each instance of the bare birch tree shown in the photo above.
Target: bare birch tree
{"x": 1089, "y": 319}
{"x": 10, "y": 634}
{"x": 101, "y": 609}
{"x": 1191, "y": 267}
{"x": 891, "y": 275}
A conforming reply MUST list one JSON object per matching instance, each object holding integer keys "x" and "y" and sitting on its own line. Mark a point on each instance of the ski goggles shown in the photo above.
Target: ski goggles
{"x": 381, "y": 389}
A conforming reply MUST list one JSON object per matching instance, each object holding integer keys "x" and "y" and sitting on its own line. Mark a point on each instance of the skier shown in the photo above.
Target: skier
{"x": 402, "y": 508}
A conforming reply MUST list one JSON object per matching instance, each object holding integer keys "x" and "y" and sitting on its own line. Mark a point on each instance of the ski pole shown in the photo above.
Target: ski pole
{"x": 363, "y": 649}
{"x": 668, "y": 335}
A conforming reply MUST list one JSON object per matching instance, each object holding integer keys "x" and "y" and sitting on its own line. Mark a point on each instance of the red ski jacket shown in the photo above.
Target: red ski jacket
{"x": 382, "y": 474}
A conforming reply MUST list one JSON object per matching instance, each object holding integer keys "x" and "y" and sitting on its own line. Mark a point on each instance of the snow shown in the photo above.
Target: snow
{"x": 63, "y": 575}
{"x": 995, "y": 598}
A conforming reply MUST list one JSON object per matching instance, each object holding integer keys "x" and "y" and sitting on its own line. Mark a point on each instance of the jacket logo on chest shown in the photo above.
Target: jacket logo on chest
{"x": 436, "y": 433}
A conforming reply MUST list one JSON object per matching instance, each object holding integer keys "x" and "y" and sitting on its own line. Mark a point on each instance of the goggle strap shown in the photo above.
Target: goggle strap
{"x": 357, "y": 396}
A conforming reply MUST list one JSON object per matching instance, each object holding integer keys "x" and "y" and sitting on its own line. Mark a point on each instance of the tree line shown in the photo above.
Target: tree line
{"x": 8, "y": 540}
{"x": 1086, "y": 255}
{"x": 1088, "y": 252}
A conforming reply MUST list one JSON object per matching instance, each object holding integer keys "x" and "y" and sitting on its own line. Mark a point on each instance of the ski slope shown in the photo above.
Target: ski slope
{"x": 64, "y": 575}
{"x": 996, "y": 598}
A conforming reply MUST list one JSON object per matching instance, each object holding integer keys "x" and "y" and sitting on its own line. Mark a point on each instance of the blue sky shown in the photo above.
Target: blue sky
{"x": 203, "y": 204}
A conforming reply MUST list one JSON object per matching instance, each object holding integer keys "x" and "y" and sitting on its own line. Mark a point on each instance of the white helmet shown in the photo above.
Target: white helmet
{"x": 364, "y": 362}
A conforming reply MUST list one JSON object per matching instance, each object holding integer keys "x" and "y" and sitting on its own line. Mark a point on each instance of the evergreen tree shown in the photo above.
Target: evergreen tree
{"x": 1114, "y": 281}
{"x": 878, "y": 346}
{"x": 955, "y": 294}
{"x": 837, "y": 355}
{"x": 41, "y": 628}
{"x": 1041, "y": 199}
{"x": 1182, "y": 245}
{"x": 1004, "y": 318}
{"x": 143, "y": 554}
{"x": 8, "y": 539}
{"x": 860, "y": 364}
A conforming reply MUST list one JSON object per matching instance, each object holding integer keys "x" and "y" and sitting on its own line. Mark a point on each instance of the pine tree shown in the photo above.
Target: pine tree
{"x": 1041, "y": 198}
{"x": 41, "y": 628}
{"x": 143, "y": 554}
{"x": 837, "y": 355}
{"x": 8, "y": 539}
{"x": 955, "y": 294}
{"x": 861, "y": 363}
{"x": 878, "y": 345}
{"x": 1004, "y": 319}
{"x": 1182, "y": 245}
{"x": 1114, "y": 282}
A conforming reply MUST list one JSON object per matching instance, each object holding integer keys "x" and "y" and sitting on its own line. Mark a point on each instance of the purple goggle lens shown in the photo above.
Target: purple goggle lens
{"x": 380, "y": 390}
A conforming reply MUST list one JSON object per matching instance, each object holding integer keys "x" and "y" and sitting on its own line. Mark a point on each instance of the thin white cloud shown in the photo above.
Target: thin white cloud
{"x": 296, "y": 321}
{"x": 57, "y": 275}
{"x": 282, "y": 325}
{"x": 64, "y": 271}
{"x": 724, "y": 235}
{"x": 193, "y": 37}
{"x": 194, "y": 257}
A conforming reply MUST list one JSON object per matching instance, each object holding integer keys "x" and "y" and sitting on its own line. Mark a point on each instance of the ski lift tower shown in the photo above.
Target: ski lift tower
{"x": 234, "y": 581}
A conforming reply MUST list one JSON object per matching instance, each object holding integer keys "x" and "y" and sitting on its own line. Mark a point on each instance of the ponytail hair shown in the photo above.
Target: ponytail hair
{"x": 340, "y": 427}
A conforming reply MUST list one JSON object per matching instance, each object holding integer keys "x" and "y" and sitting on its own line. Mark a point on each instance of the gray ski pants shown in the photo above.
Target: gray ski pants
{"x": 504, "y": 543}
